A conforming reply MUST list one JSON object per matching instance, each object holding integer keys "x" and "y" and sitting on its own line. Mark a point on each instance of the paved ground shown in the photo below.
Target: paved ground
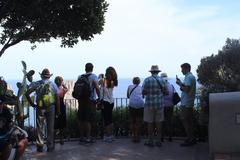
{"x": 121, "y": 149}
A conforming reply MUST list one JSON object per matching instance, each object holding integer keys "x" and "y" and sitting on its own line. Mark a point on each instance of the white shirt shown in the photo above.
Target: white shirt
{"x": 135, "y": 99}
{"x": 106, "y": 94}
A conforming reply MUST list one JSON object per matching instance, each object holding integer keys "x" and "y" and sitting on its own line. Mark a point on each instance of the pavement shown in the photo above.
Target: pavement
{"x": 120, "y": 149}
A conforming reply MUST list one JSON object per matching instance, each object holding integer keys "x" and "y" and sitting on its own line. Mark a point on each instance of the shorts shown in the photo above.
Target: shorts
{"x": 136, "y": 113}
{"x": 107, "y": 113}
{"x": 153, "y": 114}
{"x": 86, "y": 111}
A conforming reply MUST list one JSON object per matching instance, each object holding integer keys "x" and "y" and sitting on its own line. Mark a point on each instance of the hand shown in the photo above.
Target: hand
{"x": 20, "y": 116}
{"x": 97, "y": 101}
{"x": 178, "y": 81}
{"x": 34, "y": 105}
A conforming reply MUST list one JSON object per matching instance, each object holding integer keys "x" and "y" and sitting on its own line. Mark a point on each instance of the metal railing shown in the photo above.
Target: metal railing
{"x": 72, "y": 105}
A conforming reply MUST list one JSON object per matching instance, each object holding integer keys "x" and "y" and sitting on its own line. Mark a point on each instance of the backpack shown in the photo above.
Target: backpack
{"x": 82, "y": 88}
{"x": 45, "y": 96}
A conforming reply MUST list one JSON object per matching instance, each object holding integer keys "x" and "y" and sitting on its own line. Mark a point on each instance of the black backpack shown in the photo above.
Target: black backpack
{"x": 82, "y": 88}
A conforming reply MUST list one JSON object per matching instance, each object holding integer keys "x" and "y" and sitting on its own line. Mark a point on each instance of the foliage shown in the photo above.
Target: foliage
{"x": 41, "y": 20}
{"x": 221, "y": 72}
{"x": 121, "y": 120}
{"x": 72, "y": 123}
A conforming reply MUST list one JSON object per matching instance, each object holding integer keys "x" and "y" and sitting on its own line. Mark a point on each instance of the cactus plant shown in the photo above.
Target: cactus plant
{"x": 22, "y": 88}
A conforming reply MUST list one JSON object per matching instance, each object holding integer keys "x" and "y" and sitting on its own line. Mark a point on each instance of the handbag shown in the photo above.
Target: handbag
{"x": 176, "y": 98}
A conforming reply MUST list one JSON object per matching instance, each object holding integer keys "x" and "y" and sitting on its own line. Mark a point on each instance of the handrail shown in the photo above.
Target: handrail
{"x": 72, "y": 104}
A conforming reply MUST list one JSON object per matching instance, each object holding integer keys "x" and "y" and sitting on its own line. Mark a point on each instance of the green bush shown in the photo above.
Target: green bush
{"x": 121, "y": 120}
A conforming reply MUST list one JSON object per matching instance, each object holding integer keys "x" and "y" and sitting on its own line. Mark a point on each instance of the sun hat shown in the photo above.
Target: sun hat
{"x": 45, "y": 73}
{"x": 164, "y": 75}
{"x": 154, "y": 68}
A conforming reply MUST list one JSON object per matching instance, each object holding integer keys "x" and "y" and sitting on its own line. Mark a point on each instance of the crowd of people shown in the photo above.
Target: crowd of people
{"x": 151, "y": 103}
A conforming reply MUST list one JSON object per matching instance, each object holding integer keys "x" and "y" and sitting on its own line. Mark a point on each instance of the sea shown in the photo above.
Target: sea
{"x": 119, "y": 92}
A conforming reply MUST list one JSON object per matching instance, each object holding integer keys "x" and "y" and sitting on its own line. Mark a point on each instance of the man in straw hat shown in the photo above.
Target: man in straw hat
{"x": 44, "y": 110}
{"x": 153, "y": 90}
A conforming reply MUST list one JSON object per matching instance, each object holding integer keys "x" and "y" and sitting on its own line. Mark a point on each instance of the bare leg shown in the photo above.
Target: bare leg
{"x": 22, "y": 145}
{"x": 150, "y": 131}
{"x": 159, "y": 133}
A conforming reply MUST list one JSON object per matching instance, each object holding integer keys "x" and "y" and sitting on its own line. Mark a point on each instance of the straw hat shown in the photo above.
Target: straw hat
{"x": 163, "y": 75}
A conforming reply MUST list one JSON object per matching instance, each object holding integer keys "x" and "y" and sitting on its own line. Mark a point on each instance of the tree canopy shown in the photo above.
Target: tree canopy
{"x": 221, "y": 72}
{"x": 41, "y": 20}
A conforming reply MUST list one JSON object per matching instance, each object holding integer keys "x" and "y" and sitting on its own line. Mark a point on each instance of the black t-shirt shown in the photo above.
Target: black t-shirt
{"x": 5, "y": 120}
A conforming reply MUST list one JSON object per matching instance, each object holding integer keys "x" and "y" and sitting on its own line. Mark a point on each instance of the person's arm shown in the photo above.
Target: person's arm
{"x": 183, "y": 87}
{"x": 65, "y": 89}
{"x": 96, "y": 86}
{"x": 128, "y": 95}
{"x": 57, "y": 103}
{"x": 144, "y": 91}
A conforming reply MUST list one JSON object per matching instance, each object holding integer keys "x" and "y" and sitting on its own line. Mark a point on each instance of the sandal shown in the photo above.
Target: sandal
{"x": 149, "y": 143}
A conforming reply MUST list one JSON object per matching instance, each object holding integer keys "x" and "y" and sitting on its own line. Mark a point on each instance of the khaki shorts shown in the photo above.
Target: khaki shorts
{"x": 153, "y": 114}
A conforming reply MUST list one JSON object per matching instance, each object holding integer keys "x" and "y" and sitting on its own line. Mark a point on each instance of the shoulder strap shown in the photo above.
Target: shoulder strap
{"x": 85, "y": 75}
{"x": 161, "y": 87}
{"x": 132, "y": 90}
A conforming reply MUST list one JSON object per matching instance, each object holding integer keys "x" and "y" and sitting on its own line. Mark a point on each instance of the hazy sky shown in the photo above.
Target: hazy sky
{"x": 137, "y": 34}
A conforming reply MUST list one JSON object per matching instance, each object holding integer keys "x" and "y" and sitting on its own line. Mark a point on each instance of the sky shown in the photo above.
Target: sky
{"x": 137, "y": 34}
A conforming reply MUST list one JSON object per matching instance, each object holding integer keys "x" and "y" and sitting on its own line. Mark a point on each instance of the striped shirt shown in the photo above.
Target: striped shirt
{"x": 153, "y": 92}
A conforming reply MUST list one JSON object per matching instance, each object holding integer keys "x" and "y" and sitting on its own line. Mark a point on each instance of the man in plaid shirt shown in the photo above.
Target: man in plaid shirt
{"x": 153, "y": 90}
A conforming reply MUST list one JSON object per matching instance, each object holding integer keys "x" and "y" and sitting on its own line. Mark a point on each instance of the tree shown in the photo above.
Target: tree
{"x": 41, "y": 20}
{"x": 221, "y": 72}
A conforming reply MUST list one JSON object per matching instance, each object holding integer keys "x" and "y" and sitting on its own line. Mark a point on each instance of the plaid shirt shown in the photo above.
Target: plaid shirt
{"x": 153, "y": 92}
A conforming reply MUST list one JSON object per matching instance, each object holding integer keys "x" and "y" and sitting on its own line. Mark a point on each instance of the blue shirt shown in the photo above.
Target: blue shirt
{"x": 53, "y": 86}
{"x": 154, "y": 95}
{"x": 167, "y": 99}
{"x": 187, "y": 99}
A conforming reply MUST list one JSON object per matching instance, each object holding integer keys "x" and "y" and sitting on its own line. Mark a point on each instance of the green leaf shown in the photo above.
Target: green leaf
{"x": 29, "y": 75}
{"x": 19, "y": 85}
{"x": 24, "y": 65}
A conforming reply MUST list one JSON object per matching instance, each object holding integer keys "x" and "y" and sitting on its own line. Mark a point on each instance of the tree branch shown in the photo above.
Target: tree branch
{"x": 9, "y": 44}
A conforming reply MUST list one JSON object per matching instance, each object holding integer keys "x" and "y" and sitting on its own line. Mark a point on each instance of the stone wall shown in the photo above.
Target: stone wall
{"x": 224, "y": 122}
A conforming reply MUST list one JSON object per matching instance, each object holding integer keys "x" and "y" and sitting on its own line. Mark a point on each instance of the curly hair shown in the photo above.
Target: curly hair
{"x": 111, "y": 77}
